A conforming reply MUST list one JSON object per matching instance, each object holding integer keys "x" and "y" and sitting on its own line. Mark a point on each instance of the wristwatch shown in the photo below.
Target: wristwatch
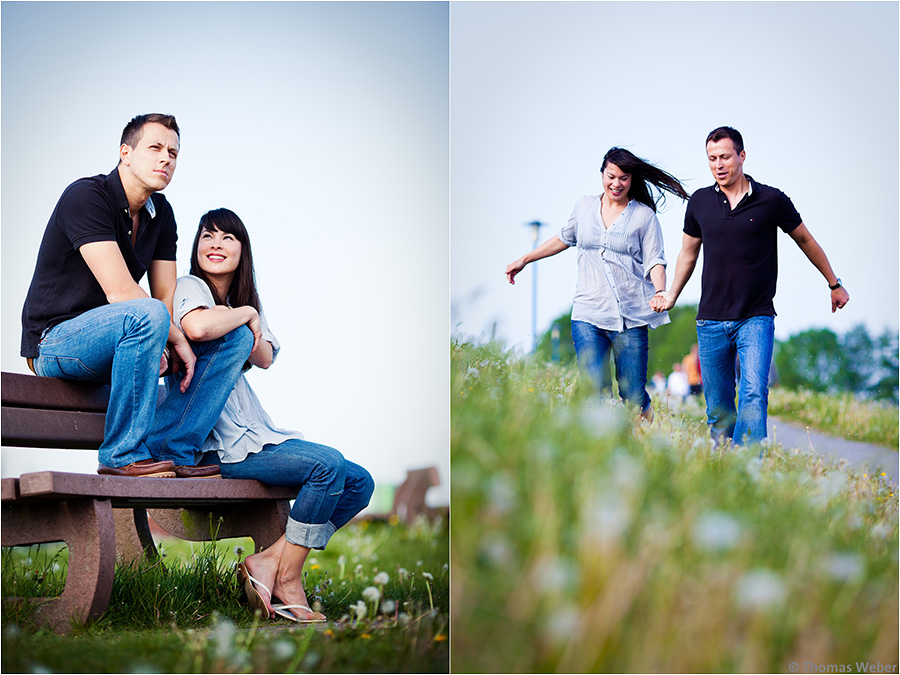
{"x": 836, "y": 286}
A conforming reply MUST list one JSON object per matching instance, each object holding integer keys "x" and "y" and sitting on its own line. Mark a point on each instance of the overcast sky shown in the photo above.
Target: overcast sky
{"x": 540, "y": 92}
{"x": 324, "y": 126}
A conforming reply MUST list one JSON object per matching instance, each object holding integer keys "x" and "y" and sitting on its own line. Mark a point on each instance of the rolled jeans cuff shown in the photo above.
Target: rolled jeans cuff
{"x": 309, "y": 535}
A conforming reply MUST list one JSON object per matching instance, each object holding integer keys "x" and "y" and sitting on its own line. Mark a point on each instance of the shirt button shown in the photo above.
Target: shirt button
{"x": 129, "y": 233}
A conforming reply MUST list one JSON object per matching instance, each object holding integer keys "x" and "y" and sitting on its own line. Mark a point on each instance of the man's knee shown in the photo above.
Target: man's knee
{"x": 150, "y": 314}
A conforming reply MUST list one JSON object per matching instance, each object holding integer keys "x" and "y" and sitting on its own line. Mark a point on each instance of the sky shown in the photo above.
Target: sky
{"x": 540, "y": 92}
{"x": 325, "y": 127}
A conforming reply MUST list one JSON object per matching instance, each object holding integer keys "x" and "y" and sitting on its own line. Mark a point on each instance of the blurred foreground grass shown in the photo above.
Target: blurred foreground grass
{"x": 383, "y": 587}
{"x": 585, "y": 541}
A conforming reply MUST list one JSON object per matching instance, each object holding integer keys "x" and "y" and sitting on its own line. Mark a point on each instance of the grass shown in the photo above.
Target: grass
{"x": 841, "y": 415}
{"x": 604, "y": 544}
{"x": 185, "y": 613}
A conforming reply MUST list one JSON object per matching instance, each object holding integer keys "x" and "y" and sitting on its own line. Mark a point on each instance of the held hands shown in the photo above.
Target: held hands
{"x": 662, "y": 302}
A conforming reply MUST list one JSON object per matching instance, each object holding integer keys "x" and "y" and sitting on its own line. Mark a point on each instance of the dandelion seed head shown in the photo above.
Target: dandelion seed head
{"x": 716, "y": 531}
{"x": 239, "y": 550}
{"x": 359, "y": 609}
{"x": 388, "y": 606}
{"x": 371, "y": 594}
{"x": 427, "y": 576}
{"x": 382, "y": 578}
{"x": 561, "y": 624}
{"x": 282, "y": 650}
{"x": 760, "y": 589}
{"x": 844, "y": 566}
{"x": 403, "y": 619}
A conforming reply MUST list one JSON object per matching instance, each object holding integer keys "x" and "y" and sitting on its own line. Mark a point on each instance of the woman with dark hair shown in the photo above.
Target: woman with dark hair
{"x": 219, "y": 297}
{"x": 621, "y": 266}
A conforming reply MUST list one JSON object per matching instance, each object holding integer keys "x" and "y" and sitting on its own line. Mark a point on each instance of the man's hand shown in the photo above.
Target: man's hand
{"x": 183, "y": 358}
{"x": 839, "y": 298}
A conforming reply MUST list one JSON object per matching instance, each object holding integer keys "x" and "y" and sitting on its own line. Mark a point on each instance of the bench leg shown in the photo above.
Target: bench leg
{"x": 264, "y": 522}
{"x": 86, "y": 526}
{"x": 133, "y": 538}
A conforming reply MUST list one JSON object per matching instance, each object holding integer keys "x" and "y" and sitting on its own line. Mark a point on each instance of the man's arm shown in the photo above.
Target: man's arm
{"x": 812, "y": 250}
{"x": 161, "y": 275}
{"x": 108, "y": 267}
{"x": 684, "y": 268}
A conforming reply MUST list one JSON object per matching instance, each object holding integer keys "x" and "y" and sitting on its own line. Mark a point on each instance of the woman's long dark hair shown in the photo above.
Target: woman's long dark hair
{"x": 643, "y": 175}
{"x": 243, "y": 286}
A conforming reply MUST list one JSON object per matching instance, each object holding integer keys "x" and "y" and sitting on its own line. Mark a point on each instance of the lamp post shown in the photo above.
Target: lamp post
{"x": 535, "y": 226}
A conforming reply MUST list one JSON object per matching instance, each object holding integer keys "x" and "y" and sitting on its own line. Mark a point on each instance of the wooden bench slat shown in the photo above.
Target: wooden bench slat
{"x": 146, "y": 492}
{"x": 33, "y": 428}
{"x": 10, "y": 489}
{"x": 31, "y": 391}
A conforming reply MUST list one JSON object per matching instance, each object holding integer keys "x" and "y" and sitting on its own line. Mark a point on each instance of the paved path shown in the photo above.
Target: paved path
{"x": 860, "y": 455}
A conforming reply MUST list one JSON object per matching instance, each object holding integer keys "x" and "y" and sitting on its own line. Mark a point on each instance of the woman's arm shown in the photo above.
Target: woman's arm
{"x": 205, "y": 324}
{"x": 550, "y": 247}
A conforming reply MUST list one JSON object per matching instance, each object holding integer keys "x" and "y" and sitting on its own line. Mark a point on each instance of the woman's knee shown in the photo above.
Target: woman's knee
{"x": 240, "y": 340}
{"x": 362, "y": 479}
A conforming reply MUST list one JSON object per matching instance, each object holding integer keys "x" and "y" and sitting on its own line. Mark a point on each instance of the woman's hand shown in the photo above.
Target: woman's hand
{"x": 514, "y": 268}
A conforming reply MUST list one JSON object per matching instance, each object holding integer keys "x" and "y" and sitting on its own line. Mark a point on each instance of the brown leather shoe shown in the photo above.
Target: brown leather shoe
{"x": 205, "y": 471}
{"x": 146, "y": 468}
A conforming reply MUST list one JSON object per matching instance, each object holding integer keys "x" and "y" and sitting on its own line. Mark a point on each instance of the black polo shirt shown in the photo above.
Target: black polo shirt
{"x": 90, "y": 210}
{"x": 740, "y": 249}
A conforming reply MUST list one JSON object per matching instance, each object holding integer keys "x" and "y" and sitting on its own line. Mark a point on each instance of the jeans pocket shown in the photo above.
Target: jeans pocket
{"x": 66, "y": 368}
{"x": 701, "y": 322}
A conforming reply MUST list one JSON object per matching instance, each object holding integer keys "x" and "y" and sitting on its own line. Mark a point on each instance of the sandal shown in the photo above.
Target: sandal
{"x": 256, "y": 600}
{"x": 284, "y": 612}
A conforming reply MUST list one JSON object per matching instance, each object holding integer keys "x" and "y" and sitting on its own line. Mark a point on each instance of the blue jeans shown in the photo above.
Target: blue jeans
{"x": 752, "y": 340}
{"x": 629, "y": 348}
{"x": 121, "y": 344}
{"x": 332, "y": 490}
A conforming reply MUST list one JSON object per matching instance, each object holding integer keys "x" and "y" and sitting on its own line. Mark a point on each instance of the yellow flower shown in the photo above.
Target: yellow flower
{"x": 440, "y": 638}
{"x": 365, "y": 636}
{"x": 314, "y": 567}
{"x": 329, "y": 633}
{"x": 393, "y": 520}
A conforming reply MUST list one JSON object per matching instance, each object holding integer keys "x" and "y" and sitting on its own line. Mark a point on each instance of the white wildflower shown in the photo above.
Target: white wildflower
{"x": 427, "y": 576}
{"x": 404, "y": 619}
{"x": 382, "y": 578}
{"x": 239, "y": 551}
{"x": 360, "y": 609}
{"x": 388, "y": 606}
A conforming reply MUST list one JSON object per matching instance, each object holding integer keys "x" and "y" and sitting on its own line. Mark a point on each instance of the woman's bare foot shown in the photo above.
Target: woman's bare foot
{"x": 290, "y": 592}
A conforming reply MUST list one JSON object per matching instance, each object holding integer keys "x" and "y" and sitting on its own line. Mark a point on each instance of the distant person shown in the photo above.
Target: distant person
{"x": 658, "y": 383}
{"x": 677, "y": 384}
{"x": 621, "y": 265}
{"x": 690, "y": 364}
{"x": 218, "y": 298}
{"x": 86, "y": 318}
{"x": 737, "y": 221}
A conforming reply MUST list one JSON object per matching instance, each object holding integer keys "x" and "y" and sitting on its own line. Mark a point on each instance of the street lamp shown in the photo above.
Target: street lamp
{"x": 535, "y": 226}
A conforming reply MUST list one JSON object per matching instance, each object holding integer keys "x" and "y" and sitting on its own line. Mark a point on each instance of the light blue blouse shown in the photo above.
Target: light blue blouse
{"x": 614, "y": 289}
{"x": 243, "y": 427}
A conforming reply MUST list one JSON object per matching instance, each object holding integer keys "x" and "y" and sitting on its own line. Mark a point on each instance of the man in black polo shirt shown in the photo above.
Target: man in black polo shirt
{"x": 737, "y": 221}
{"x": 86, "y": 318}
